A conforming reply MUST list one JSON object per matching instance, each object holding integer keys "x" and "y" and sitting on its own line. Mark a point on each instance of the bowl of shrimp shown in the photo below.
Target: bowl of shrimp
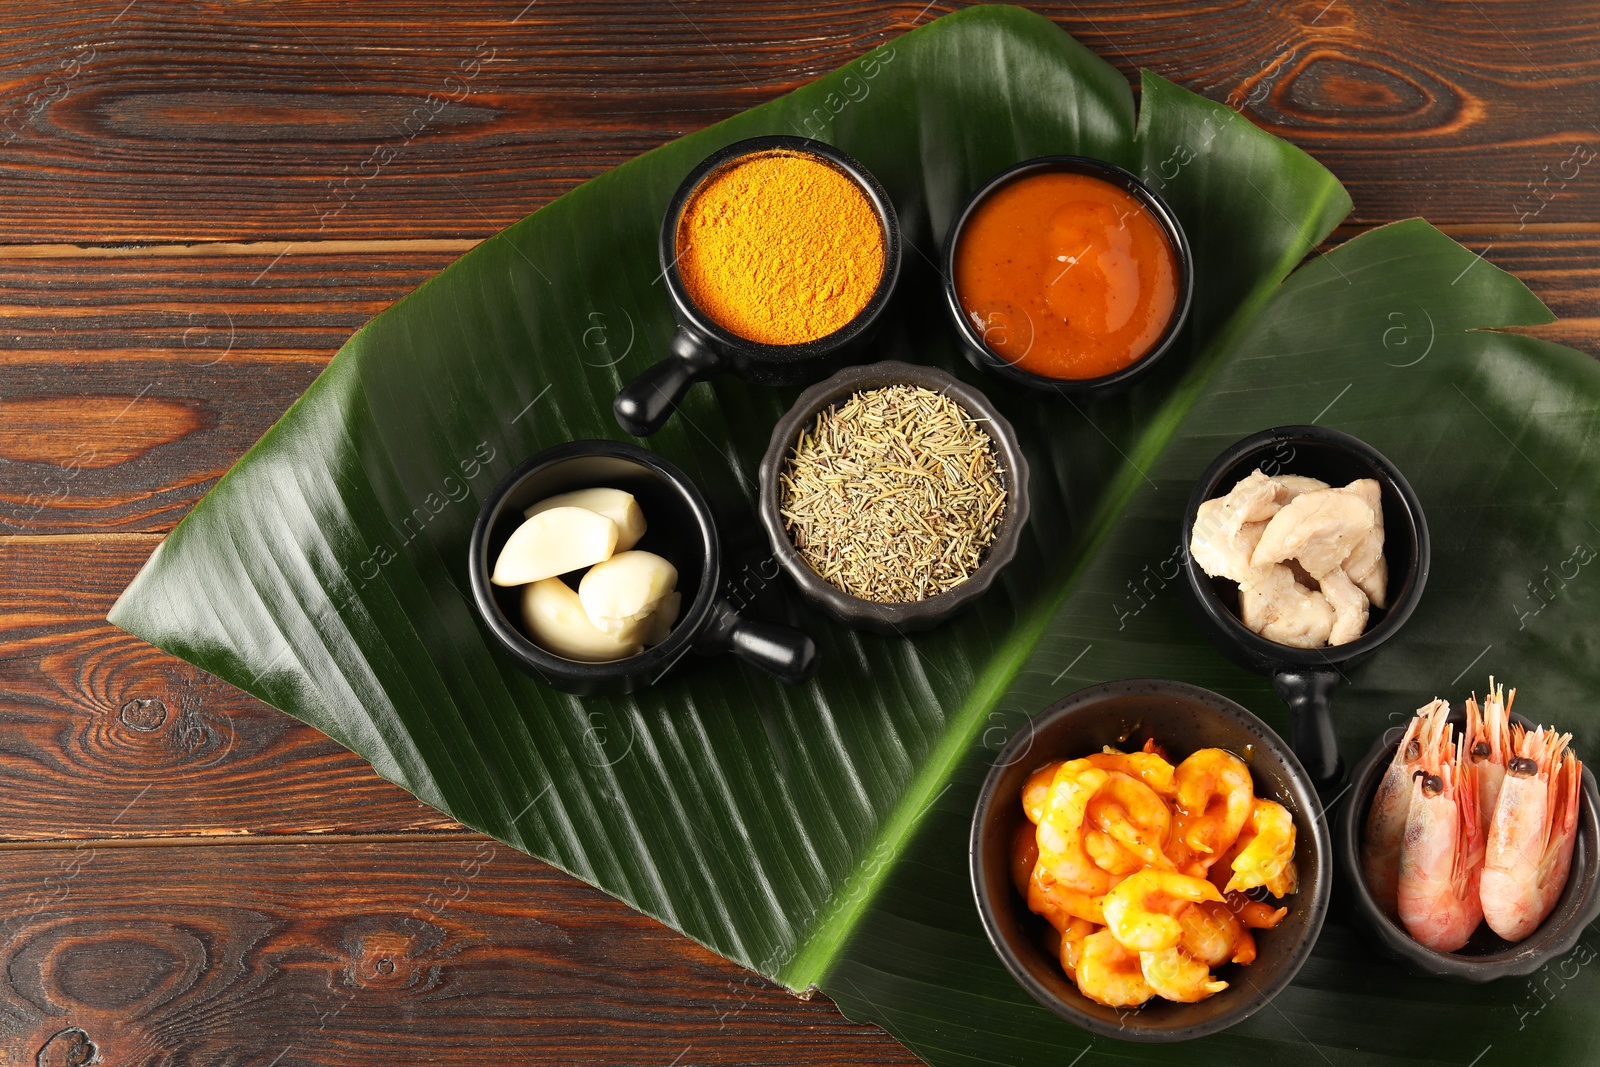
{"x": 1149, "y": 860}
{"x": 1471, "y": 842}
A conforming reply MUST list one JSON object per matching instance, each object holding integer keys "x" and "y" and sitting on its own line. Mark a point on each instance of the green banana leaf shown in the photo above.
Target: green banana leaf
{"x": 817, "y": 834}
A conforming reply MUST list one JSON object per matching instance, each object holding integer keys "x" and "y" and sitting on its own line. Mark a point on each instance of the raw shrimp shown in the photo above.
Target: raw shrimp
{"x": 1489, "y": 745}
{"x": 1213, "y": 934}
{"x": 1141, "y": 912}
{"x": 1386, "y": 819}
{"x": 1176, "y": 975}
{"x": 1442, "y": 851}
{"x": 1215, "y": 795}
{"x": 1110, "y": 974}
{"x": 1134, "y": 816}
{"x": 1151, "y": 768}
{"x": 1072, "y": 943}
{"x": 1530, "y": 841}
{"x": 1264, "y": 852}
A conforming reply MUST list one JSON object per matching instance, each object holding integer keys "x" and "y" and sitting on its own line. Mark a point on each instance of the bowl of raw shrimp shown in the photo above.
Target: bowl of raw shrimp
{"x": 1470, "y": 845}
{"x": 1172, "y": 863}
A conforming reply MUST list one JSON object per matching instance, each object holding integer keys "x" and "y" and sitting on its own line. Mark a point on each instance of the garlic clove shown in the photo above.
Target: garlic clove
{"x": 616, "y": 505}
{"x": 619, "y": 593}
{"x": 556, "y": 621}
{"x": 554, "y": 542}
{"x": 658, "y": 624}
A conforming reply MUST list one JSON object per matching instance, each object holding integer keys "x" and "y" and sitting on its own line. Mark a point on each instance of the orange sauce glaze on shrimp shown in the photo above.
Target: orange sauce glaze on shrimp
{"x": 1139, "y": 867}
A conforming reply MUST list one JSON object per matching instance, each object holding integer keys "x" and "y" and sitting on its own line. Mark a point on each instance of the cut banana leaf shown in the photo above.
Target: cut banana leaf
{"x": 817, "y": 834}
{"x": 1384, "y": 338}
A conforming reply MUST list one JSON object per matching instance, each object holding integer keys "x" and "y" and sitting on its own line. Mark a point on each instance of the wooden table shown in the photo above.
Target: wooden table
{"x": 194, "y": 219}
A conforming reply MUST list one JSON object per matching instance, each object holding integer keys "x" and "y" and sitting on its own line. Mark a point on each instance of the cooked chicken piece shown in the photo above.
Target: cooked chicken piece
{"x": 1280, "y": 609}
{"x": 1220, "y": 554}
{"x": 1253, "y": 499}
{"x": 1293, "y": 485}
{"x": 1366, "y": 565}
{"x": 1375, "y": 583}
{"x": 1318, "y": 528}
{"x": 1349, "y": 605}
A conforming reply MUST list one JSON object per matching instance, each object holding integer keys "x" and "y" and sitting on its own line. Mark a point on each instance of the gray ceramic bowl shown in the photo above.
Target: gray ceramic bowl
{"x": 1487, "y": 956}
{"x": 853, "y": 611}
{"x": 1182, "y": 718}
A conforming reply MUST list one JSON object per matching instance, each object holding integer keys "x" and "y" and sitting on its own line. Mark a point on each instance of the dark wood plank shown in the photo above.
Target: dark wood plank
{"x": 272, "y": 118}
{"x": 92, "y": 719}
{"x": 195, "y": 352}
{"x": 202, "y": 303}
{"x": 1456, "y": 112}
{"x": 452, "y": 953}
{"x": 129, "y": 440}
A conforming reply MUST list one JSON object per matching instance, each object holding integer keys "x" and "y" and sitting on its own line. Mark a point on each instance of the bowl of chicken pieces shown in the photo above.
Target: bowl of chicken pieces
{"x": 1307, "y": 551}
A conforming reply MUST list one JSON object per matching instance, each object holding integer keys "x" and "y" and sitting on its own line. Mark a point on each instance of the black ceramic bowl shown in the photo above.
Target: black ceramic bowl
{"x": 1487, "y": 956}
{"x": 918, "y": 615}
{"x": 1305, "y": 677}
{"x": 980, "y": 355}
{"x": 702, "y": 349}
{"x": 1182, "y": 718}
{"x": 680, "y": 529}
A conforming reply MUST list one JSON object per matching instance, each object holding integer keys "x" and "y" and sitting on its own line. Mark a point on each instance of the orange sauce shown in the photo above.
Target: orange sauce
{"x": 1066, "y": 275}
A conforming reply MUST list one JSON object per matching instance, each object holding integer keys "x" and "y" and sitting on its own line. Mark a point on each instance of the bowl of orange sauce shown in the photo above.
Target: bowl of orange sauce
{"x": 1067, "y": 275}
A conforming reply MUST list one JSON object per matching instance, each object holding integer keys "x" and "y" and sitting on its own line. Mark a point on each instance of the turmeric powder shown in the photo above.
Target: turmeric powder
{"x": 780, "y": 248}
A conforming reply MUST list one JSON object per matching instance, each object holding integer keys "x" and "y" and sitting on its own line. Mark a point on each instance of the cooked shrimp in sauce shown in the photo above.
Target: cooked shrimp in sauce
{"x": 1140, "y": 867}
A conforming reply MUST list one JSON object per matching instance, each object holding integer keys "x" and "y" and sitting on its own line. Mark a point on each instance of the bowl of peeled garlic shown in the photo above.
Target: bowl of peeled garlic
{"x": 1150, "y": 860}
{"x": 595, "y": 565}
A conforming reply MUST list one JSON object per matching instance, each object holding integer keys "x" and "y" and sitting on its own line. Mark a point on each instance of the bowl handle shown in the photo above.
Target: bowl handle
{"x": 1311, "y": 733}
{"x": 643, "y": 405}
{"x": 782, "y": 651}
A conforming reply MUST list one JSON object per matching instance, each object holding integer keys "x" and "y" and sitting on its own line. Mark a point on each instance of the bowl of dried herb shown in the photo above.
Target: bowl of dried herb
{"x": 893, "y": 495}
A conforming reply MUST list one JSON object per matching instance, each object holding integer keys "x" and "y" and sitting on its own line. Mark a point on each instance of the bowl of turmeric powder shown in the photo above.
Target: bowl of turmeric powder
{"x": 779, "y": 254}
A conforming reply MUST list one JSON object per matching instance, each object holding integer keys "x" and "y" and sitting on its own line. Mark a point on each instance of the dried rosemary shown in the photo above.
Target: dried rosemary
{"x": 892, "y": 496}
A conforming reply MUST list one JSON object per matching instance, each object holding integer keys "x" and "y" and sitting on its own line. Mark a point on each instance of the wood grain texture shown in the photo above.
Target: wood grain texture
{"x": 451, "y": 953}
{"x": 307, "y": 120}
{"x": 103, "y": 736}
{"x": 161, "y": 900}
